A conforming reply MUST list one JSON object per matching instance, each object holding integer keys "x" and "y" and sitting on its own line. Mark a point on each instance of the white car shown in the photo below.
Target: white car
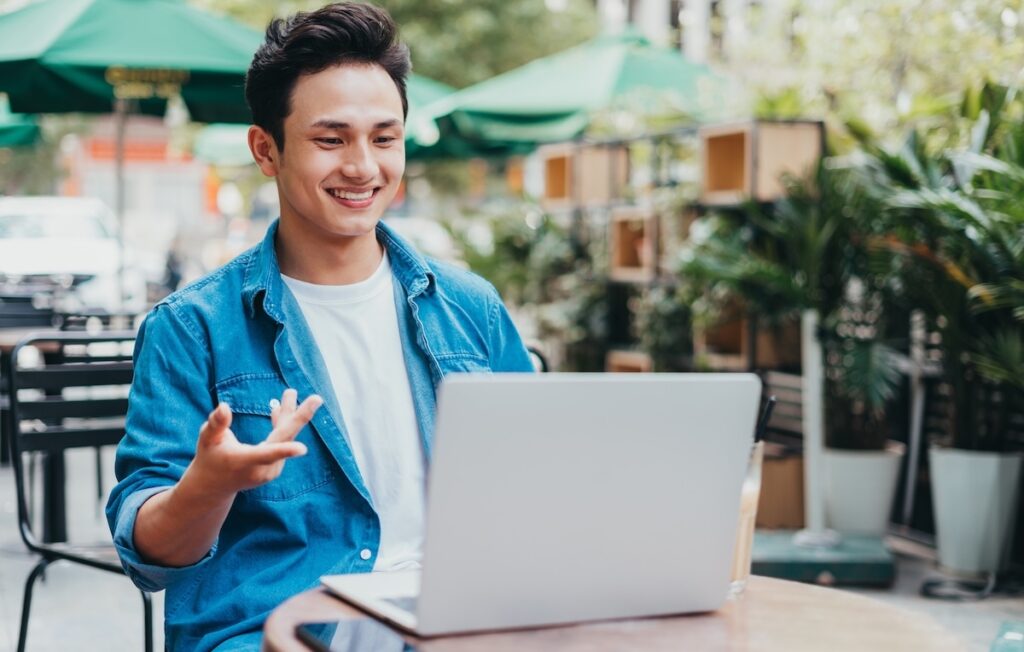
{"x": 63, "y": 250}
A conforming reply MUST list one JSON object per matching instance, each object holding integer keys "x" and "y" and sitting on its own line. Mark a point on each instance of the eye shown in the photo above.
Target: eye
{"x": 384, "y": 140}
{"x": 328, "y": 141}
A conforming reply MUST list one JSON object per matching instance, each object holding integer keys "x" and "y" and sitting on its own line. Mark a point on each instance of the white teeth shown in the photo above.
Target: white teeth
{"x": 352, "y": 196}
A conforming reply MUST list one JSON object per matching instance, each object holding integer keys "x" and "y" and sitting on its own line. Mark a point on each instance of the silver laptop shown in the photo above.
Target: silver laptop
{"x": 561, "y": 498}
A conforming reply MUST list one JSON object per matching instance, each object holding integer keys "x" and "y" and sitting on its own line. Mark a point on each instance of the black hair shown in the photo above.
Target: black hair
{"x": 310, "y": 42}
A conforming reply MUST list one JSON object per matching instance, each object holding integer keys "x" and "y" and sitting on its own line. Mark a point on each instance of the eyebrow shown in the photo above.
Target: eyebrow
{"x": 327, "y": 123}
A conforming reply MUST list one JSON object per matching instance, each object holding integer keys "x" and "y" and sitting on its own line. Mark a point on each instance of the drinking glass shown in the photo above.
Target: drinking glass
{"x": 748, "y": 515}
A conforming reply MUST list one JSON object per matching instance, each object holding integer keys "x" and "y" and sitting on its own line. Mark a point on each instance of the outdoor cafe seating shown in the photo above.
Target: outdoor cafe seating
{"x": 72, "y": 393}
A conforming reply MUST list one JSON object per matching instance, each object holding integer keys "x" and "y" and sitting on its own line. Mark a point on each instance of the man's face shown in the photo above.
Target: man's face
{"x": 344, "y": 152}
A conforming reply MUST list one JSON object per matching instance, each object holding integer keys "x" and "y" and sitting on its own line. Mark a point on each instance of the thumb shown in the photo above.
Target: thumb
{"x": 216, "y": 425}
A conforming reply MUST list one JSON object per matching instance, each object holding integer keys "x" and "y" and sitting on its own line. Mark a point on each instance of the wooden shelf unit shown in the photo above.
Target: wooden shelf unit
{"x": 583, "y": 175}
{"x": 515, "y": 176}
{"x": 748, "y": 160}
{"x": 737, "y": 162}
{"x": 627, "y": 361}
{"x": 633, "y": 244}
{"x": 726, "y": 345}
{"x": 673, "y": 233}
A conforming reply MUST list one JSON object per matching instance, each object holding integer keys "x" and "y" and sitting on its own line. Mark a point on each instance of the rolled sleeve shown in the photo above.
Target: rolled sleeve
{"x": 148, "y": 577}
{"x": 169, "y": 400}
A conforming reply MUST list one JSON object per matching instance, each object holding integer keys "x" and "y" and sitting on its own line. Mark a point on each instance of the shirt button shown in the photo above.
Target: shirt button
{"x": 365, "y": 554}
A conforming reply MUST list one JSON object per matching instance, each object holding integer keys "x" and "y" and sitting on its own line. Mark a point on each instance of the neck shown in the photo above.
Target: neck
{"x": 326, "y": 260}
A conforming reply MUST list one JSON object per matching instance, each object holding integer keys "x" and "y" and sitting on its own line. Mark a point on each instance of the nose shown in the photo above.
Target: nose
{"x": 358, "y": 162}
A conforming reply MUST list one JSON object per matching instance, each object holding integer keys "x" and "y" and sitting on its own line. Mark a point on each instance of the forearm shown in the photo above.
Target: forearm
{"x": 178, "y": 527}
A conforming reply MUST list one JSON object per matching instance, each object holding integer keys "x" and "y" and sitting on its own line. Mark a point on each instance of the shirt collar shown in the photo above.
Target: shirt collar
{"x": 263, "y": 284}
{"x": 408, "y": 265}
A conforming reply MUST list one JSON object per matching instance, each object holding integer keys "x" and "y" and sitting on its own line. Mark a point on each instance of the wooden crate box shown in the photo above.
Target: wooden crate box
{"x": 515, "y": 176}
{"x": 749, "y": 160}
{"x": 618, "y": 361}
{"x": 781, "y": 504}
{"x": 633, "y": 245}
{"x": 584, "y": 175}
{"x": 725, "y": 346}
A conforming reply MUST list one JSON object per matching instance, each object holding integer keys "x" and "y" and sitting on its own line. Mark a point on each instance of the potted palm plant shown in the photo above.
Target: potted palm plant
{"x": 862, "y": 462}
{"x": 805, "y": 254}
{"x": 954, "y": 237}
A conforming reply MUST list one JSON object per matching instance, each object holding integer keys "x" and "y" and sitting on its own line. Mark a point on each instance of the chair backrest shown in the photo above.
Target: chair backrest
{"x": 786, "y": 423}
{"x": 22, "y": 310}
{"x": 72, "y": 394}
{"x": 540, "y": 362}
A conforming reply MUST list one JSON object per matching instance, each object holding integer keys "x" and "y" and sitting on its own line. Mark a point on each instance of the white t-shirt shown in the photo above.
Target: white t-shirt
{"x": 356, "y": 328}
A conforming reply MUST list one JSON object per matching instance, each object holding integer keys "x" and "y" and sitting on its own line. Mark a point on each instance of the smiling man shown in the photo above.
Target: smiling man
{"x": 232, "y": 494}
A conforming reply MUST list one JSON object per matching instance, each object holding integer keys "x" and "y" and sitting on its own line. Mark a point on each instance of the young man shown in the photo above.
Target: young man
{"x": 234, "y": 495}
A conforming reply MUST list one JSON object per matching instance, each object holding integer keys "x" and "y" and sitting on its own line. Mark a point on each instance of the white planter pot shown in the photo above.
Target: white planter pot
{"x": 859, "y": 488}
{"x": 975, "y": 501}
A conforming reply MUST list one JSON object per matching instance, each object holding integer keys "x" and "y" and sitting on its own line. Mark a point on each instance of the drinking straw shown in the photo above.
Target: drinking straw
{"x": 766, "y": 414}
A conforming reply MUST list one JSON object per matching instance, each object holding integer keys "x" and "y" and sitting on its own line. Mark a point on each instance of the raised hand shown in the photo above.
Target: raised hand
{"x": 223, "y": 465}
{"x": 177, "y": 527}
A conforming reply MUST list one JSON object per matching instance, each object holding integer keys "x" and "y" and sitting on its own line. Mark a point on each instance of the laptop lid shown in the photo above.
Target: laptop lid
{"x": 569, "y": 497}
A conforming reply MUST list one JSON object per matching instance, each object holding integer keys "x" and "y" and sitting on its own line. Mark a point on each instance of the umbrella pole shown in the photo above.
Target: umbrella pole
{"x": 120, "y": 123}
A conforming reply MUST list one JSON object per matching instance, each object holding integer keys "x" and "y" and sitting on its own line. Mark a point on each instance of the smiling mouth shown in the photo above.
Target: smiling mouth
{"x": 352, "y": 196}
{"x": 351, "y": 199}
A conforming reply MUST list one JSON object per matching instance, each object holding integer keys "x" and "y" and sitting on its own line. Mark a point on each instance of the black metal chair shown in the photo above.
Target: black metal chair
{"x": 20, "y": 308}
{"x": 94, "y": 322}
{"x": 76, "y": 398}
{"x": 540, "y": 363}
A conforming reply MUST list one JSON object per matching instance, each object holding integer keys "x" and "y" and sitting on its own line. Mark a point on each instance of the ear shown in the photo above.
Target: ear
{"x": 264, "y": 151}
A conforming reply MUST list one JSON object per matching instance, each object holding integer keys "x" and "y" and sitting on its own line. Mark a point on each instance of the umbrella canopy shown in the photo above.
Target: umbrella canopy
{"x": 555, "y": 97}
{"x": 80, "y": 55}
{"x": 16, "y": 130}
{"x": 420, "y": 130}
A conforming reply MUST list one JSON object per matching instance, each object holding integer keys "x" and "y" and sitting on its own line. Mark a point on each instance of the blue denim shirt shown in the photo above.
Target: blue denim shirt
{"x": 239, "y": 336}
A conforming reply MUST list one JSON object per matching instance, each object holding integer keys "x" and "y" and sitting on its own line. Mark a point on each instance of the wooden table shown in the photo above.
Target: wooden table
{"x": 770, "y": 615}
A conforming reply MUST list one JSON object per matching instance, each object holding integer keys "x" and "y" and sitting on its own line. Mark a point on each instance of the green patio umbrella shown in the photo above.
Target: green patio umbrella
{"x": 554, "y": 98}
{"x": 102, "y": 56}
{"x": 16, "y": 130}
{"x": 421, "y": 132}
{"x": 59, "y": 56}
{"x": 426, "y": 139}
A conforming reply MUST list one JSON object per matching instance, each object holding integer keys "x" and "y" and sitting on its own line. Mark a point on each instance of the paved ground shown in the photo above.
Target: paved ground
{"x": 75, "y": 608}
{"x": 79, "y": 608}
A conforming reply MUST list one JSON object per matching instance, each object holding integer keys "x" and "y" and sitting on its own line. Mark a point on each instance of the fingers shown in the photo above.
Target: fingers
{"x": 275, "y": 411}
{"x": 290, "y": 422}
{"x": 288, "y": 400}
{"x": 270, "y": 452}
{"x": 212, "y": 431}
{"x": 285, "y": 406}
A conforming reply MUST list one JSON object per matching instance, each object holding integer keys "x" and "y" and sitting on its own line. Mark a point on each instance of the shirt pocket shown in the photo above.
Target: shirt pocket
{"x": 249, "y": 398}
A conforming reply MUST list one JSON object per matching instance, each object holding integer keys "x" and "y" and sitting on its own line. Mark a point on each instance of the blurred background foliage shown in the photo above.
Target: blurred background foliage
{"x": 458, "y": 43}
{"x": 883, "y": 64}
